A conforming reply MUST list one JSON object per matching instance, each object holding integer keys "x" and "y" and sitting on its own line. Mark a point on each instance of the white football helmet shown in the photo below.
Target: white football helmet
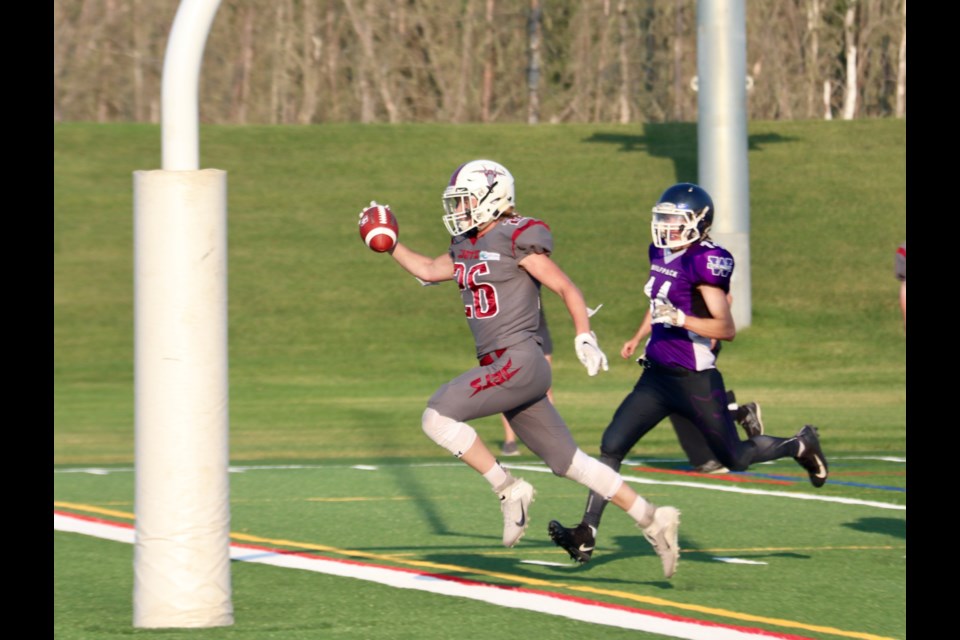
{"x": 479, "y": 191}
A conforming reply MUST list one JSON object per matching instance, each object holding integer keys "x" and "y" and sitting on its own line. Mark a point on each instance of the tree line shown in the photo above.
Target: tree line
{"x": 456, "y": 61}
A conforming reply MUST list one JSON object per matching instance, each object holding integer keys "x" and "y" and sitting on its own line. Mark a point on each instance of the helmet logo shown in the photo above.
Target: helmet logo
{"x": 490, "y": 174}
{"x": 720, "y": 266}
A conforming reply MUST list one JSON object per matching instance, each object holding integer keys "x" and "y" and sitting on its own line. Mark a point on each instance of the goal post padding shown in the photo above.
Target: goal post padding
{"x": 182, "y": 542}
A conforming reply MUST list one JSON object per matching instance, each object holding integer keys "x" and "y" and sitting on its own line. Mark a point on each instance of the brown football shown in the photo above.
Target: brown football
{"x": 378, "y": 228}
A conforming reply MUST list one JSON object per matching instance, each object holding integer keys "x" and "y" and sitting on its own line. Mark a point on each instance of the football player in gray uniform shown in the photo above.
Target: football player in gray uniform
{"x": 499, "y": 259}
{"x": 900, "y": 272}
{"x": 688, "y": 288}
{"x": 510, "y": 446}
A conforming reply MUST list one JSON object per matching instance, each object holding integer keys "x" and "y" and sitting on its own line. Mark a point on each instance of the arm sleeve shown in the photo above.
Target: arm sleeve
{"x": 532, "y": 236}
{"x": 714, "y": 268}
{"x": 900, "y": 263}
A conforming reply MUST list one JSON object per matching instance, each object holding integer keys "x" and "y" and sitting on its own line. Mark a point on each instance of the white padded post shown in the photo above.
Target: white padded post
{"x": 182, "y": 545}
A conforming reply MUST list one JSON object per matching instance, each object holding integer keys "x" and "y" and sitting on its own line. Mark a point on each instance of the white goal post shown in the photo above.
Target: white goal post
{"x": 182, "y": 505}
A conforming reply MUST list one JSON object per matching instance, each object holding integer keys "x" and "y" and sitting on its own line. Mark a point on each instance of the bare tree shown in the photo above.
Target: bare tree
{"x": 139, "y": 25}
{"x": 307, "y": 61}
{"x": 372, "y": 62}
{"x": 850, "y": 41}
{"x": 244, "y": 67}
{"x": 813, "y": 54}
{"x": 624, "y": 57}
{"x": 901, "y": 111}
{"x": 278, "y": 74}
{"x": 679, "y": 86}
{"x": 533, "y": 66}
{"x": 466, "y": 65}
{"x": 489, "y": 63}
{"x": 576, "y": 68}
{"x": 331, "y": 69}
{"x": 599, "y": 97}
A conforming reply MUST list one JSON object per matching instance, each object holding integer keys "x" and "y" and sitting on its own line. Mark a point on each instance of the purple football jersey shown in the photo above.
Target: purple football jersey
{"x": 674, "y": 277}
{"x": 500, "y": 299}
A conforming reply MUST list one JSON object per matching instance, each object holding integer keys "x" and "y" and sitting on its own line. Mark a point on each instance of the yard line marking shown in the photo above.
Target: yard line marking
{"x": 540, "y": 468}
{"x": 572, "y": 607}
{"x": 650, "y": 621}
{"x": 543, "y": 469}
{"x": 738, "y": 560}
{"x": 729, "y": 489}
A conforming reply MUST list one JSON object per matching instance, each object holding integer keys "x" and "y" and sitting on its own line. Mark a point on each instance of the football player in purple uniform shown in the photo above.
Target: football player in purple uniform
{"x": 688, "y": 290}
{"x": 694, "y": 445}
{"x": 499, "y": 259}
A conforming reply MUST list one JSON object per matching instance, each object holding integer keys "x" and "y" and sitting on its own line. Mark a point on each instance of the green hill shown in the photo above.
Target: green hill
{"x": 334, "y": 349}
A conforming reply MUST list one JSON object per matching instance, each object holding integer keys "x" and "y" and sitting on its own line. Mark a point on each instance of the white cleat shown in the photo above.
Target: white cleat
{"x": 515, "y": 503}
{"x": 663, "y": 536}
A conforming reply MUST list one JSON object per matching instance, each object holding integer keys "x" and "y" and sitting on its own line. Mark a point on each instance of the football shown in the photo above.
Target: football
{"x": 378, "y": 227}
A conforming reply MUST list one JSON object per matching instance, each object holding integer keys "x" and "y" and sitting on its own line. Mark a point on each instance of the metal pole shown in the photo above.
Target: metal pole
{"x": 722, "y": 135}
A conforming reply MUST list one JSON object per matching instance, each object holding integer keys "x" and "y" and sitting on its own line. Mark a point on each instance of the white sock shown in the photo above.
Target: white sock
{"x": 497, "y": 476}
{"x": 642, "y": 512}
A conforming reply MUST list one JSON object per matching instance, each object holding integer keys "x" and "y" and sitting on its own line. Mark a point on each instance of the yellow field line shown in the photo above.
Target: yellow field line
{"x": 91, "y": 509}
{"x": 624, "y": 595}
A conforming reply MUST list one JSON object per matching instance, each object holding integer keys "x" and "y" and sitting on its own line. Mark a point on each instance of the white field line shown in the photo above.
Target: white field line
{"x": 542, "y": 602}
{"x": 543, "y": 469}
{"x": 535, "y": 468}
{"x": 735, "y": 489}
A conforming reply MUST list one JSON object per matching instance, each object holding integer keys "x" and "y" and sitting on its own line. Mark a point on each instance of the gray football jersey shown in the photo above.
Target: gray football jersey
{"x": 500, "y": 299}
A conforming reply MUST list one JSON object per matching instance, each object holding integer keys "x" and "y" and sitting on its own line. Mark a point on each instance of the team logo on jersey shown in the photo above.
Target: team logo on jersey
{"x": 489, "y": 255}
{"x": 468, "y": 254}
{"x": 494, "y": 379}
{"x": 720, "y": 266}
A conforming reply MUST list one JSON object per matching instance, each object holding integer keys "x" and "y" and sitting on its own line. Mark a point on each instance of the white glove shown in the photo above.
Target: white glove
{"x": 588, "y": 351}
{"x": 666, "y": 313}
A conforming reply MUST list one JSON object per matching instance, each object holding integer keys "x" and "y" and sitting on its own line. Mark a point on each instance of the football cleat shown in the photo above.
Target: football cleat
{"x": 810, "y": 456}
{"x": 711, "y": 466}
{"x": 662, "y": 534}
{"x": 514, "y": 503}
{"x": 578, "y": 542}
{"x": 509, "y": 449}
{"x": 748, "y": 415}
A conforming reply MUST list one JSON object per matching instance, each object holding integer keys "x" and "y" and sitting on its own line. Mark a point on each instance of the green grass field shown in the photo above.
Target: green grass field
{"x": 315, "y": 380}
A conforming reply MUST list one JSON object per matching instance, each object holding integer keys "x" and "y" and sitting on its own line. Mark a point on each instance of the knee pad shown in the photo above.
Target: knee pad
{"x": 595, "y": 475}
{"x": 455, "y": 437}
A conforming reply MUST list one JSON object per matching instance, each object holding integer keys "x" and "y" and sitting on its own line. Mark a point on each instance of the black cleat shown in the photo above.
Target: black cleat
{"x": 748, "y": 415}
{"x": 810, "y": 456}
{"x": 578, "y": 542}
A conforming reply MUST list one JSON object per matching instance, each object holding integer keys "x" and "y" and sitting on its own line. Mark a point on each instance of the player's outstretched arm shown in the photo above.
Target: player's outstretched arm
{"x": 423, "y": 267}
